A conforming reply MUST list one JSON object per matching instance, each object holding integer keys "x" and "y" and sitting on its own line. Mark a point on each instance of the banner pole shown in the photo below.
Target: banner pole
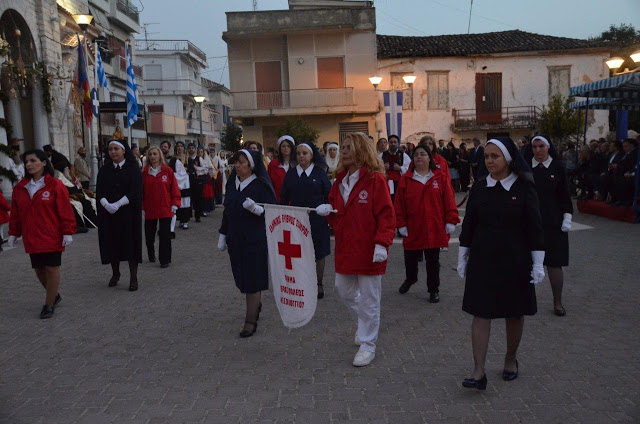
{"x": 300, "y": 208}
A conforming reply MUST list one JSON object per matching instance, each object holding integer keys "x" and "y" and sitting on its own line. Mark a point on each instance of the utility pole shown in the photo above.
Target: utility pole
{"x": 255, "y": 5}
{"x": 470, "y": 9}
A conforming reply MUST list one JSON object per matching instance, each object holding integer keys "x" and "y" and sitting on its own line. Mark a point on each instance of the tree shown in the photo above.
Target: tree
{"x": 621, "y": 36}
{"x": 559, "y": 121}
{"x": 299, "y": 130}
{"x": 231, "y": 136}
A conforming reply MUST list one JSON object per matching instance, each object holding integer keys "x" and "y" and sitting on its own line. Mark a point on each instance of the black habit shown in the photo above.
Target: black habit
{"x": 120, "y": 234}
{"x": 501, "y": 228}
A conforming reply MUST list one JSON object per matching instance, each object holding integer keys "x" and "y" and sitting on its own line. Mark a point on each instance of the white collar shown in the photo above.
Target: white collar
{"x": 422, "y": 178}
{"x": 242, "y": 185}
{"x": 306, "y": 171}
{"x": 546, "y": 163}
{"x": 506, "y": 183}
{"x": 119, "y": 165}
{"x": 34, "y": 182}
{"x": 284, "y": 166}
{"x": 350, "y": 179}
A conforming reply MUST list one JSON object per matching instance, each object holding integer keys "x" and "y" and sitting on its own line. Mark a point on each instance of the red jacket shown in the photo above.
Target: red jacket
{"x": 441, "y": 164}
{"x": 159, "y": 193}
{"x": 367, "y": 219}
{"x": 4, "y": 208}
{"x": 43, "y": 220}
{"x": 276, "y": 174}
{"x": 425, "y": 209}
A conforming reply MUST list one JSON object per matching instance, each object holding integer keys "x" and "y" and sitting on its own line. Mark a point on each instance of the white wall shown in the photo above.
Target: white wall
{"x": 525, "y": 82}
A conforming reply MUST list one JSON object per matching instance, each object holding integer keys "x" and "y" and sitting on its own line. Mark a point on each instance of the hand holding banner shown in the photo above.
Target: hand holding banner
{"x": 292, "y": 263}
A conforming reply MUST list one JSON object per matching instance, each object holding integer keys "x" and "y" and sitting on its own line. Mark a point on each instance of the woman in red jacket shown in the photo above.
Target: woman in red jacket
{"x": 41, "y": 213}
{"x": 160, "y": 201}
{"x": 364, "y": 227}
{"x": 438, "y": 160}
{"x": 279, "y": 166}
{"x": 426, "y": 213}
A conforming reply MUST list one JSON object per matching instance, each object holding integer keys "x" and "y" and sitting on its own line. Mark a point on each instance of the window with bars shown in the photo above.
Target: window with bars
{"x": 346, "y": 128}
{"x": 437, "y": 89}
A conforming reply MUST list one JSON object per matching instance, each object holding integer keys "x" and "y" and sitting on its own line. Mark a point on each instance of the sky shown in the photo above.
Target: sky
{"x": 203, "y": 21}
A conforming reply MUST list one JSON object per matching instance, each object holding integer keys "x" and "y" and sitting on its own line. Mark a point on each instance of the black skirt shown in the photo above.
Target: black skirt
{"x": 40, "y": 260}
{"x": 556, "y": 247}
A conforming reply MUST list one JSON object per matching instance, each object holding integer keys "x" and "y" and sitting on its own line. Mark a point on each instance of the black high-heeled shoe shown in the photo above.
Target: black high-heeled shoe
{"x": 133, "y": 285}
{"x": 510, "y": 375}
{"x": 472, "y": 383}
{"x": 249, "y": 333}
{"x": 114, "y": 280}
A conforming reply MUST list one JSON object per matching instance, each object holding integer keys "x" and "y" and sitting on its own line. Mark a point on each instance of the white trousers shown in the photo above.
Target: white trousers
{"x": 361, "y": 294}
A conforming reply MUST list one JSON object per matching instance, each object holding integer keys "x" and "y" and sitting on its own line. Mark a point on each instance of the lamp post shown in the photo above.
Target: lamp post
{"x": 83, "y": 21}
{"x": 616, "y": 62}
{"x": 200, "y": 100}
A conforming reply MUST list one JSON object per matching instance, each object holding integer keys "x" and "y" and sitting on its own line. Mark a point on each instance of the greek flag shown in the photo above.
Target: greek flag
{"x": 132, "y": 91}
{"x": 102, "y": 77}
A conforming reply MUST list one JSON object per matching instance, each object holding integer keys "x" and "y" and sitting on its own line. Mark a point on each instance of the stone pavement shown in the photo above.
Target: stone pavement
{"x": 171, "y": 353}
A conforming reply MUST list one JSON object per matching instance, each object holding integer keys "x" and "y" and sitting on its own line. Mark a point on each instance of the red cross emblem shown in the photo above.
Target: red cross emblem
{"x": 288, "y": 250}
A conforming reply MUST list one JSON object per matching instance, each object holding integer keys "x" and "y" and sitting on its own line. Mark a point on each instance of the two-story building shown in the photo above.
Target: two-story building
{"x": 172, "y": 73}
{"x": 482, "y": 85}
{"x": 219, "y": 104}
{"x": 313, "y": 61}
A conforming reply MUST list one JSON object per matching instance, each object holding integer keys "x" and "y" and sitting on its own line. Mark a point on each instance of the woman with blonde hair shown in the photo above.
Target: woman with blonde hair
{"x": 364, "y": 227}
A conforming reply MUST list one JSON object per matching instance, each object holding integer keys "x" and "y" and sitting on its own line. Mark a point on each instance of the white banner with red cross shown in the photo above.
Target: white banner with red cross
{"x": 292, "y": 262}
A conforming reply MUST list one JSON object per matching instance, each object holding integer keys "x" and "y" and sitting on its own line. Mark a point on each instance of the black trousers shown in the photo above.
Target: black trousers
{"x": 196, "y": 197}
{"x": 164, "y": 235}
{"x": 432, "y": 260}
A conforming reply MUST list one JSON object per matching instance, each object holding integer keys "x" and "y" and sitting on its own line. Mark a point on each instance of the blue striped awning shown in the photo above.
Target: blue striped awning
{"x": 626, "y": 86}
{"x": 606, "y": 104}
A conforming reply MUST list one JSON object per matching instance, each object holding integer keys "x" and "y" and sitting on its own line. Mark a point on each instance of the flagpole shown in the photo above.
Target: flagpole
{"x": 92, "y": 149}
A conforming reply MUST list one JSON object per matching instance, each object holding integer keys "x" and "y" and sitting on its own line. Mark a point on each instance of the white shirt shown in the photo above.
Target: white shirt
{"x": 119, "y": 165}
{"x": 242, "y": 185}
{"x": 505, "y": 182}
{"x": 347, "y": 184}
{"x": 306, "y": 171}
{"x": 546, "y": 163}
{"x": 33, "y": 186}
{"x": 154, "y": 171}
{"x": 422, "y": 179}
{"x": 285, "y": 166}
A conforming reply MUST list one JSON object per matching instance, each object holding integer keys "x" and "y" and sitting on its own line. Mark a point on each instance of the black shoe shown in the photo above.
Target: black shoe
{"x": 173, "y": 235}
{"x": 164, "y": 266}
{"x": 249, "y": 333}
{"x": 57, "y": 300}
{"x": 434, "y": 297}
{"x": 114, "y": 280}
{"x": 405, "y": 286}
{"x": 82, "y": 230}
{"x": 204, "y": 214}
{"x": 185, "y": 226}
{"x": 559, "y": 311}
{"x": 133, "y": 285}
{"x": 472, "y": 383}
{"x": 320, "y": 291}
{"x": 510, "y": 375}
{"x": 152, "y": 257}
{"x": 47, "y": 312}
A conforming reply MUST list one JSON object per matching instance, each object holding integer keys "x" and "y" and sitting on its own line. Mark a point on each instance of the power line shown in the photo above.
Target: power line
{"x": 402, "y": 23}
{"x": 474, "y": 14}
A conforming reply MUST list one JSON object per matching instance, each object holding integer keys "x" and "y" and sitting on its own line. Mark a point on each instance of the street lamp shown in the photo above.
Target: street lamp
{"x": 83, "y": 21}
{"x": 635, "y": 56}
{"x": 616, "y": 62}
{"x": 200, "y": 100}
{"x": 409, "y": 79}
{"x": 375, "y": 81}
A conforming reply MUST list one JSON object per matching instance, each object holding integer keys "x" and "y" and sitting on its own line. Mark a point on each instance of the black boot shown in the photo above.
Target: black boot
{"x": 405, "y": 286}
{"x": 152, "y": 256}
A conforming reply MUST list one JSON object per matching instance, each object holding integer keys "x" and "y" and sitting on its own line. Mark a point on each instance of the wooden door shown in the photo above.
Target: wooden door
{"x": 269, "y": 85}
{"x": 489, "y": 98}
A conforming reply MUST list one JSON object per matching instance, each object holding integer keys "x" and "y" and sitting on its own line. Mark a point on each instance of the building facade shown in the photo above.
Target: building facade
{"x": 483, "y": 85}
{"x": 172, "y": 72}
{"x": 309, "y": 61}
{"x": 219, "y": 104}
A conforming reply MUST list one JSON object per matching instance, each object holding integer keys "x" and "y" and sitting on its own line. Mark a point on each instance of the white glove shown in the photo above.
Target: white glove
{"x": 13, "y": 240}
{"x": 66, "y": 240}
{"x": 222, "y": 242}
{"x": 537, "y": 271}
{"x": 251, "y": 206}
{"x": 324, "y": 210}
{"x": 110, "y": 207}
{"x": 403, "y": 231}
{"x": 380, "y": 254}
{"x": 463, "y": 258}
{"x": 142, "y": 212}
{"x": 449, "y": 228}
{"x": 104, "y": 202}
{"x": 566, "y": 222}
{"x": 122, "y": 202}
{"x": 174, "y": 209}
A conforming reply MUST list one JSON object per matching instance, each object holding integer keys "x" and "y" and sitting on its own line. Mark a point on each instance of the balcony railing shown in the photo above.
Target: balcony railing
{"x": 186, "y": 85}
{"x": 284, "y": 99}
{"x": 507, "y": 117}
{"x": 171, "y": 45}
{"x": 162, "y": 123}
{"x": 128, "y": 9}
{"x": 193, "y": 125}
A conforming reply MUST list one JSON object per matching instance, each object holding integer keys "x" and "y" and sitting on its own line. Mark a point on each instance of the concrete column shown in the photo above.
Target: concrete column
{"x": 15, "y": 119}
{"x": 40, "y": 118}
